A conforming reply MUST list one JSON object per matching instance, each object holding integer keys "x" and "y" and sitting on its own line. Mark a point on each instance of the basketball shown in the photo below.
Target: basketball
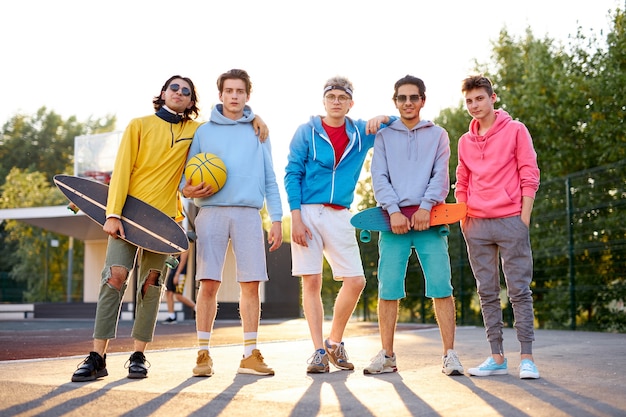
{"x": 207, "y": 168}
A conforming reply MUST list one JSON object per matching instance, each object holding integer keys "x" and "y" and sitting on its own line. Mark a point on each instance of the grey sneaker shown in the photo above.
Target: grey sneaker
{"x": 318, "y": 362}
{"x": 338, "y": 356}
{"x": 452, "y": 364}
{"x": 381, "y": 363}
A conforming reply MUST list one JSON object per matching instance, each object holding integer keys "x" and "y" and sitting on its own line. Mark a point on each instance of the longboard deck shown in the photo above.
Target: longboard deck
{"x": 144, "y": 225}
{"x": 377, "y": 219}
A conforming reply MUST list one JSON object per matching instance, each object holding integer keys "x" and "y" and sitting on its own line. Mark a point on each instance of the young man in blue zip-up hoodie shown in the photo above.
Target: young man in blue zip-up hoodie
{"x": 325, "y": 159}
{"x": 232, "y": 214}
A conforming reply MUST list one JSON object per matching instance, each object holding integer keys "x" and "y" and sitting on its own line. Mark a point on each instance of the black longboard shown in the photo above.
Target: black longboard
{"x": 144, "y": 225}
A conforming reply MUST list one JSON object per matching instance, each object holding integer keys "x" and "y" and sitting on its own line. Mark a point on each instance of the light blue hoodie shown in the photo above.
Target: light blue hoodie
{"x": 311, "y": 176}
{"x": 410, "y": 166}
{"x": 250, "y": 171}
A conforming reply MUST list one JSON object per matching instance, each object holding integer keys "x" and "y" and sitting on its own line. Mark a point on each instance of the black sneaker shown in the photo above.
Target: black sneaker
{"x": 169, "y": 320}
{"x": 92, "y": 368}
{"x": 136, "y": 366}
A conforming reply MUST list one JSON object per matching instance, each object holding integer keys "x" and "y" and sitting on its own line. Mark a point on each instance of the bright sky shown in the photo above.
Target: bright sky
{"x": 90, "y": 59}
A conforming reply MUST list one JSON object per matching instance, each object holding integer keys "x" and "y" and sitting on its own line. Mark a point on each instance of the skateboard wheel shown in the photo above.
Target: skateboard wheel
{"x": 444, "y": 230}
{"x": 171, "y": 262}
{"x": 72, "y": 207}
{"x": 365, "y": 236}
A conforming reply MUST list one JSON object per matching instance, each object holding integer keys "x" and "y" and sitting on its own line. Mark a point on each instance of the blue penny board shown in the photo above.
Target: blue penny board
{"x": 144, "y": 225}
{"x": 377, "y": 219}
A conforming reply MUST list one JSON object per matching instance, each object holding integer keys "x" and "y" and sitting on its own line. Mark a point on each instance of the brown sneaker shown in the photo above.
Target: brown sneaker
{"x": 254, "y": 365}
{"x": 338, "y": 356}
{"x": 204, "y": 364}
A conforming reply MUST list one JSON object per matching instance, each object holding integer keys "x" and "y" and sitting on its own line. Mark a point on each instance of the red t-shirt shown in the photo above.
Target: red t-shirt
{"x": 339, "y": 139}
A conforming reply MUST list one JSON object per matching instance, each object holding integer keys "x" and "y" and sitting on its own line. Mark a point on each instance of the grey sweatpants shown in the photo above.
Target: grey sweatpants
{"x": 509, "y": 239}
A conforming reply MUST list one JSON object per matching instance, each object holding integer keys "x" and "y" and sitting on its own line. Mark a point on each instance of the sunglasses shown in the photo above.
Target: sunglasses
{"x": 184, "y": 90}
{"x": 413, "y": 97}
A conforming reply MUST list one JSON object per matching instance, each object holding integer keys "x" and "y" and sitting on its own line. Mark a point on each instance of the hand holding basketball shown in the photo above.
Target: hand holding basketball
{"x": 207, "y": 168}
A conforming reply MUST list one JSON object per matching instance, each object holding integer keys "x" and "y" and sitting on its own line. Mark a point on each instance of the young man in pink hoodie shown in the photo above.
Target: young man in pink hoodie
{"x": 497, "y": 176}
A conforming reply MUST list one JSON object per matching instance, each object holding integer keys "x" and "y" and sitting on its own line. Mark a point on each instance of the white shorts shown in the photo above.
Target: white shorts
{"x": 333, "y": 238}
{"x": 242, "y": 226}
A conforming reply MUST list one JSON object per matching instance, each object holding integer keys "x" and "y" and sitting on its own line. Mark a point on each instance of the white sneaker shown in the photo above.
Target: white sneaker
{"x": 452, "y": 364}
{"x": 381, "y": 363}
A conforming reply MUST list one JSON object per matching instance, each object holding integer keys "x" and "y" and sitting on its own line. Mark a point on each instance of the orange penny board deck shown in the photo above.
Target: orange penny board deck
{"x": 377, "y": 219}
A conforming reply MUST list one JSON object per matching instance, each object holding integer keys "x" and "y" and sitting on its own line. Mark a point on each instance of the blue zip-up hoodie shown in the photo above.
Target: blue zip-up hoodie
{"x": 410, "y": 166}
{"x": 311, "y": 176}
{"x": 250, "y": 171}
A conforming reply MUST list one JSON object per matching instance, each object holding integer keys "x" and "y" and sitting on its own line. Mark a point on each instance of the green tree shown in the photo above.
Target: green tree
{"x": 37, "y": 261}
{"x": 602, "y": 73}
{"x": 32, "y": 150}
{"x": 44, "y": 142}
{"x": 369, "y": 251}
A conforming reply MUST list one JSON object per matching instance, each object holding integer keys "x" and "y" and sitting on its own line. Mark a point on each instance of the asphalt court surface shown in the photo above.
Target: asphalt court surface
{"x": 582, "y": 374}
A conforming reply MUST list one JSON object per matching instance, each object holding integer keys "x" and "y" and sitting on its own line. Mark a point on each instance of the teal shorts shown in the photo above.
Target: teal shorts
{"x": 432, "y": 251}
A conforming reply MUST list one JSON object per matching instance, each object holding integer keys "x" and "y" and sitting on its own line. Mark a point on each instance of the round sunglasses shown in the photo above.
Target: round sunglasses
{"x": 184, "y": 90}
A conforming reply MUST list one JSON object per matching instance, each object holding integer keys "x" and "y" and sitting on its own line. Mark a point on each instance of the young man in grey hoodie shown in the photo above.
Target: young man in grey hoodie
{"x": 410, "y": 168}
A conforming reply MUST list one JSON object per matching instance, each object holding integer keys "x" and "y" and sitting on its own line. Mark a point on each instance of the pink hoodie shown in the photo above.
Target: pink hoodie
{"x": 496, "y": 170}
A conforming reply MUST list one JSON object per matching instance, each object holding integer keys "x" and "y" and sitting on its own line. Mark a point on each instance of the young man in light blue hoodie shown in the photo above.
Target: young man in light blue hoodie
{"x": 233, "y": 215}
{"x": 410, "y": 168}
{"x": 326, "y": 156}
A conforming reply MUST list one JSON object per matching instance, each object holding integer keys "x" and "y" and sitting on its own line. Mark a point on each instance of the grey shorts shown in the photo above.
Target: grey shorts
{"x": 242, "y": 227}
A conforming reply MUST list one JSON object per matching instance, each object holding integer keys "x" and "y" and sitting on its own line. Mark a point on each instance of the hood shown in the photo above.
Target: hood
{"x": 502, "y": 119}
{"x": 218, "y": 117}
{"x": 401, "y": 127}
{"x": 317, "y": 131}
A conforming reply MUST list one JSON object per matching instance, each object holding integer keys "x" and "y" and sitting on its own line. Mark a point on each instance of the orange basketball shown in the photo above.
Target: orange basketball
{"x": 207, "y": 168}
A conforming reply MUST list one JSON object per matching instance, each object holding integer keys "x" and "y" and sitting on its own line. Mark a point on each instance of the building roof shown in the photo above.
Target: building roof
{"x": 57, "y": 219}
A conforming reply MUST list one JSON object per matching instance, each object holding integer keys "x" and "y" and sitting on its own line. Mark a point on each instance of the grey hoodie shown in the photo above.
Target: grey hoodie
{"x": 410, "y": 167}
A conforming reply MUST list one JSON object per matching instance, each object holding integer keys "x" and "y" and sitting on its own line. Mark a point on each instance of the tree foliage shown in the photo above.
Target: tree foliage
{"x": 32, "y": 150}
{"x": 44, "y": 142}
{"x": 39, "y": 256}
